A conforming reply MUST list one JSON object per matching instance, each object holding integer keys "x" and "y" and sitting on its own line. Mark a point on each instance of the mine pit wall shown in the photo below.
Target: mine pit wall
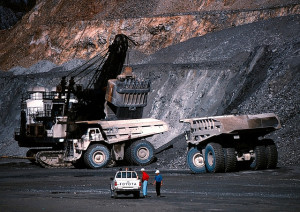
{"x": 254, "y": 69}
{"x": 60, "y": 41}
{"x": 179, "y": 91}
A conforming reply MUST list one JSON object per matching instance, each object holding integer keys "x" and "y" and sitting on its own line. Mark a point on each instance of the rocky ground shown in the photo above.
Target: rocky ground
{"x": 25, "y": 187}
{"x": 252, "y": 68}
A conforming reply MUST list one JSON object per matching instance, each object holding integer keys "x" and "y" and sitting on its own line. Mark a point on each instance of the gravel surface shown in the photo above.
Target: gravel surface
{"x": 26, "y": 187}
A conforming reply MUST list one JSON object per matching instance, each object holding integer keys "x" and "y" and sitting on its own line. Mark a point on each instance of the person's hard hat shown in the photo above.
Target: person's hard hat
{"x": 142, "y": 169}
{"x": 157, "y": 172}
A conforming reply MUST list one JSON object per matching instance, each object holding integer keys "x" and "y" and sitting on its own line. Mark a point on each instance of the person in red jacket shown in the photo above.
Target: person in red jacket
{"x": 145, "y": 179}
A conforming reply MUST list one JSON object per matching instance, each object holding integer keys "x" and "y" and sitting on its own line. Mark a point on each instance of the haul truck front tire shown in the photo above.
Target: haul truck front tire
{"x": 97, "y": 156}
{"x": 195, "y": 161}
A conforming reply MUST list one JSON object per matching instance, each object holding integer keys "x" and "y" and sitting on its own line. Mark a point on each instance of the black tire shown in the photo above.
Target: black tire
{"x": 115, "y": 194}
{"x": 271, "y": 154}
{"x": 230, "y": 159}
{"x": 97, "y": 156}
{"x": 127, "y": 155}
{"x": 136, "y": 194}
{"x": 195, "y": 161}
{"x": 79, "y": 164}
{"x": 214, "y": 158}
{"x": 260, "y": 161}
{"x": 141, "y": 152}
{"x": 31, "y": 154}
{"x": 111, "y": 193}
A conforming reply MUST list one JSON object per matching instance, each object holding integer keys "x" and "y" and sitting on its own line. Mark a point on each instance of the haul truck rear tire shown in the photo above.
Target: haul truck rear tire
{"x": 230, "y": 159}
{"x": 195, "y": 161}
{"x": 260, "y": 161}
{"x": 141, "y": 152}
{"x": 127, "y": 155}
{"x": 97, "y": 156}
{"x": 214, "y": 158}
{"x": 271, "y": 154}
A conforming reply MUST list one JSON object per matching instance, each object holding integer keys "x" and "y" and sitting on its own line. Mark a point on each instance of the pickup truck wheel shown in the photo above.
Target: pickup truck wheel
{"x": 111, "y": 193}
{"x": 97, "y": 156}
{"x": 142, "y": 152}
{"x": 260, "y": 160}
{"x": 214, "y": 158}
{"x": 195, "y": 161}
{"x": 115, "y": 194}
{"x": 230, "y": 159}
{"x": 136, "y": 194}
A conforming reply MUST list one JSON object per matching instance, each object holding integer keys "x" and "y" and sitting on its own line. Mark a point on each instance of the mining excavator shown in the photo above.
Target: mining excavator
{"x": 94, "y": 125}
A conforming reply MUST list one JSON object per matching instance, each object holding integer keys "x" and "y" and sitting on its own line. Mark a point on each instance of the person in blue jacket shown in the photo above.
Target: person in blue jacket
{"x": 158, "y": 182}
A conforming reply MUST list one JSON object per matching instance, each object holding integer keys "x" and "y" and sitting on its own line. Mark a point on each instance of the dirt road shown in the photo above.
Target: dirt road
{"x": 25, "y": 187}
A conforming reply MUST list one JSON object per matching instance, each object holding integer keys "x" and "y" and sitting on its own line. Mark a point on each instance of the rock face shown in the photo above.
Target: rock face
{"x": 254, "y": 68}
{"x": 62, "y": 30}
{"x": 11, "y": 11}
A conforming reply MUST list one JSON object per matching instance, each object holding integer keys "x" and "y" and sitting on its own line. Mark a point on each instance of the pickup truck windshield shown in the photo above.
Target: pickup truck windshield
{"x": 126, "y": 175}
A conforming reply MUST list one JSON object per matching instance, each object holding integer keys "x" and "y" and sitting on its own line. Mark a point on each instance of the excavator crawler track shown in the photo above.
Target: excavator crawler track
{"x": 52, "y": 159}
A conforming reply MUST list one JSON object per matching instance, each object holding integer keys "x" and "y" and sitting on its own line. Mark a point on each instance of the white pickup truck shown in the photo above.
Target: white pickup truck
{"x": 125, "y": 182}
